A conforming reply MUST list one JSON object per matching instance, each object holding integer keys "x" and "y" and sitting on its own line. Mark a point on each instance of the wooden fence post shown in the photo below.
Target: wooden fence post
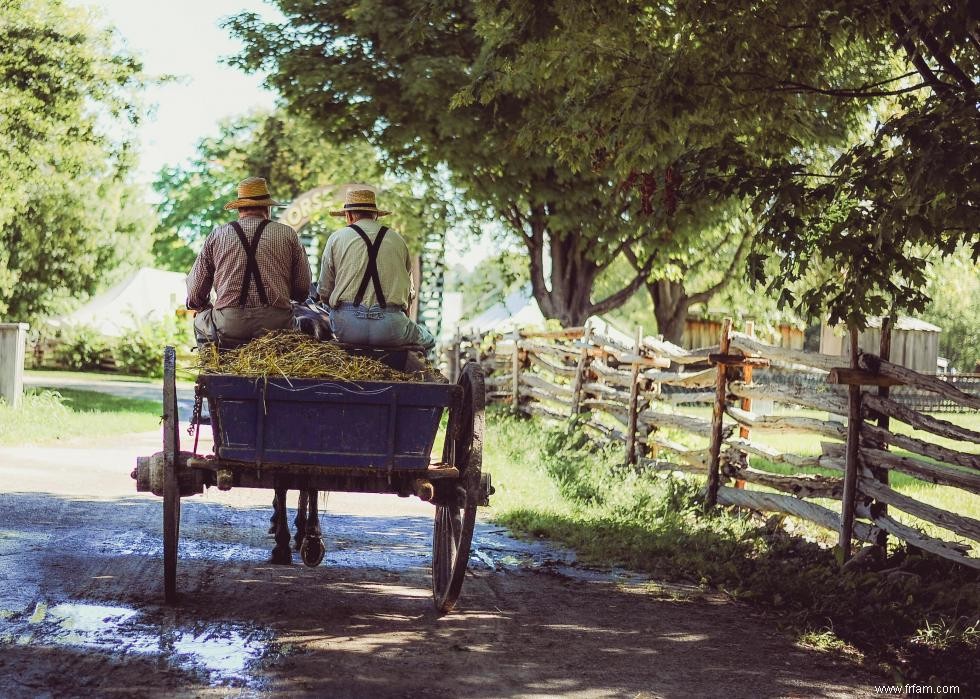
{"x": 880, "y": 509}
{"x": 717, "y": 418}
{"x": 746, "y": 403}
{"x": 13, "y": 343}
{"x": 515, "y": 399}
{"x": 583, "y": 361}
{"x": 453, "y": 357}
{"x": 851, "y": 466}
{"x": 634, "y": 399}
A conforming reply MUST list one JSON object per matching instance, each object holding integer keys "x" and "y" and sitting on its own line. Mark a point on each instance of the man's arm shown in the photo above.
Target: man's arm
{"x": 201, "y": 277}
{"x": 301, "y": 278}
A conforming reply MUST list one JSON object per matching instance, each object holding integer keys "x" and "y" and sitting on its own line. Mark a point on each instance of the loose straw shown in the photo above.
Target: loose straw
{"x": 295, "y": 355}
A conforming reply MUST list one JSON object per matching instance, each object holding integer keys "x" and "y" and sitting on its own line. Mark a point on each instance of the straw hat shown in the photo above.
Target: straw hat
{"x": 253, "y": 191}
{"x": 360, "y": 200}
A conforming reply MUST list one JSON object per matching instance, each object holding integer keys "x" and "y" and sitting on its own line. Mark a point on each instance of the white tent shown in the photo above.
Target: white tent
{"x": 146, "y": 295}
{"x": 518, "y": 310}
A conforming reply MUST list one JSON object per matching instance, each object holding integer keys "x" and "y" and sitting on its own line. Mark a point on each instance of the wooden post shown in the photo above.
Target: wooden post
{"x": 880, "y": 509}
{"x": 717, "y": 417}
{"x": 515, "y": 399}
{"x": 746, "y": 403}
{"x": 583, "y": 361}
{"x": 13, "y": 343}
{"x": 452, "y": 357}
{"x": 634, "y": 399}
{"x": 851, "y": 460}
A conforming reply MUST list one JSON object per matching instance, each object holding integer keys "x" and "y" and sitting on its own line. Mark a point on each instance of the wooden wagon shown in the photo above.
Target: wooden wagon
{"x": 321, "y": 435}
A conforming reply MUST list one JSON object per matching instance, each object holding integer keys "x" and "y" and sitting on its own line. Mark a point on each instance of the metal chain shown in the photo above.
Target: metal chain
{"x": 196, "y": 414}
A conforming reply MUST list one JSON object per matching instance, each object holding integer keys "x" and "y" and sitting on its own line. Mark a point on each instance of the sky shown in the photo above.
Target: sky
{"x": 183, "y": 38}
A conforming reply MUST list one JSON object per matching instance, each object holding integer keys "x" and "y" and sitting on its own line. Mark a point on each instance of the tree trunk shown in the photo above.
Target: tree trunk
{"x": 670, "y": 306}
{"x": 573, "y": 274}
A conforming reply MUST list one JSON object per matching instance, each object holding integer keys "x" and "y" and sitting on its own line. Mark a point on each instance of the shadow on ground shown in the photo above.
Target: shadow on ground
{"x": 81, "y": 613}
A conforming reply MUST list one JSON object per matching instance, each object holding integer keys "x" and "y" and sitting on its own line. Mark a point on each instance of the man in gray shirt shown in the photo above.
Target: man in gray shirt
{"x": 366, "y": 279}
{"x": 255, "y": 266}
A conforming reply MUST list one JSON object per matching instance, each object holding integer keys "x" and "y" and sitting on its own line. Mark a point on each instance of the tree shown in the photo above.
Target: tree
{"x": 673, "y": 98}
{"x": 388, "y": 72}
{"x": 908, "y": 193}
{"x": 953, "y": 288}
{"x": 294, "y": 157}
{"x": 756, "y": 100}
{"x": 68, "y": 213}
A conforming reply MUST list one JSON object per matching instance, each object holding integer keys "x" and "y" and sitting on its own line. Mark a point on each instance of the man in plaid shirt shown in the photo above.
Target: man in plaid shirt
{"x": 254, "y": 266}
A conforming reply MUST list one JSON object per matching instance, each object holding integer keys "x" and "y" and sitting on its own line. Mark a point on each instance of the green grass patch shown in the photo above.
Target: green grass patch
{"x": 53, "y": 417}
{"x": 554, "y": 484}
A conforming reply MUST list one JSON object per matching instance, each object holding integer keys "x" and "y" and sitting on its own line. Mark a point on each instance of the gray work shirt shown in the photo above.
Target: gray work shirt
{"x": 345, "y": 260}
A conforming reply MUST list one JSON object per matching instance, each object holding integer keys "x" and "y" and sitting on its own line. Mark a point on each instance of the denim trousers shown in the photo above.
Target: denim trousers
{"x": 377, "y": 327}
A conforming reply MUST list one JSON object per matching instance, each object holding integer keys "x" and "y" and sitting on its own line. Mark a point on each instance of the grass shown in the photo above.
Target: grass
{"x": 803, "y": 444}
{"x": 55, "y": 417}
{"x": 551, "y": 485}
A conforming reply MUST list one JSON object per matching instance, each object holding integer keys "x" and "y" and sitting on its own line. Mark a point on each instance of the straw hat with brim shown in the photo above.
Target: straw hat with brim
{"x": 360, "y": 200}
{"x": 253, "y": 191}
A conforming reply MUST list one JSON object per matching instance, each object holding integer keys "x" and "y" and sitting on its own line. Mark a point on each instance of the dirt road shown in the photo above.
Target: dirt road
{"x": 81, "y": 611}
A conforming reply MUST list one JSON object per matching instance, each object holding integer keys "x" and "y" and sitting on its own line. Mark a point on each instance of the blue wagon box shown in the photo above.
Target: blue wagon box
{"x": 369, "y": 425}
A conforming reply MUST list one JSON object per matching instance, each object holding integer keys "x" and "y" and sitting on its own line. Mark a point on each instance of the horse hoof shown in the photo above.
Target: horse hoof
{"x": 312, "y": 551}
{"x": 281, "y": 556}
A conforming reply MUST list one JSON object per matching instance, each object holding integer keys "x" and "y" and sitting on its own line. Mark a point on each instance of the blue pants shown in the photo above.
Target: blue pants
{"x": 377, "y": 327}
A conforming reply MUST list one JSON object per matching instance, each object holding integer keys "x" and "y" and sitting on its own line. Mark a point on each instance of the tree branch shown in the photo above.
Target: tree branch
{"x": 535, "y": 243}
{"x": 620, "y": 297}
{"x": 944, "y": 59}
{"x": 915, "y": 56}
{"x": 623, "y": 246}
{"x": 513, "y": 216}
{"x": 702, "y": 296}
{"x": 799, "y": 88}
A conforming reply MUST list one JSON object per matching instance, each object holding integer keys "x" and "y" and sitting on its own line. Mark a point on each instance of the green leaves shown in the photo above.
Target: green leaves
{"x": 67, "y": 213}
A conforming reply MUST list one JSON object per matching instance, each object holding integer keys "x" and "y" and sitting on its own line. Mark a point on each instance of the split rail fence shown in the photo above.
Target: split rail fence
{"x": 643, "y": 392}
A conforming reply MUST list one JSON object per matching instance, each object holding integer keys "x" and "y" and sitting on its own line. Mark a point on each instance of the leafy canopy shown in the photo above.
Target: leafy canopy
{"x": 387, "y": 72}
{"x": 852, "y": 127}
{"x": 68, "y": 212}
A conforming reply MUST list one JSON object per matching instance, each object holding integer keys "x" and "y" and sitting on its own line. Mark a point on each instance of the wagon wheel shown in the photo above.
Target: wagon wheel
{"x": 171, "y": 488}
{"x": 452, "y": 530}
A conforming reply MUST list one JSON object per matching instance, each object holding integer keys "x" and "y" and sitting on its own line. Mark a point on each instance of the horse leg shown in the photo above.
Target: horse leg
{"x": 312, "y": 549}
{"x": 281, "y": 554}
{"x": 272, "y": 519}
{"x": 313, "y": 518}
{"x": 300, "y": 521}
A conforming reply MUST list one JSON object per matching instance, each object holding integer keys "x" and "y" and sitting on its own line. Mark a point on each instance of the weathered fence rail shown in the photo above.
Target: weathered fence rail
{"x": 647, "y": 394}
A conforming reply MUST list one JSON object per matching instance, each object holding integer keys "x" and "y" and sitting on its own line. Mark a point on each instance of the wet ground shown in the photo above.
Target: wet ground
{"x": 81, "y": 610}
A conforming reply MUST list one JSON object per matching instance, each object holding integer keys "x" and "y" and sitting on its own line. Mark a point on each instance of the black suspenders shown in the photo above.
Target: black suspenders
{"x": 371, "y": 272}
{"x": 251, "y": 265}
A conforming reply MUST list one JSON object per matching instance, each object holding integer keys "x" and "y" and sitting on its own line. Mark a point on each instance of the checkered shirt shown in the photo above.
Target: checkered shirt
{"x": 221, "y": 266}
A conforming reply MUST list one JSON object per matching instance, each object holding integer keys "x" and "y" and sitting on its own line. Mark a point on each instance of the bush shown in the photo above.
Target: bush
{"x": 139, "y": 352}
{"x": 82, "y": 348}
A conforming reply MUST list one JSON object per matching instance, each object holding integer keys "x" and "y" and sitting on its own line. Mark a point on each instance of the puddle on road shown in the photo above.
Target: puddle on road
{"x": 353, "y": 543}
{"x": 222, "y": 652}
